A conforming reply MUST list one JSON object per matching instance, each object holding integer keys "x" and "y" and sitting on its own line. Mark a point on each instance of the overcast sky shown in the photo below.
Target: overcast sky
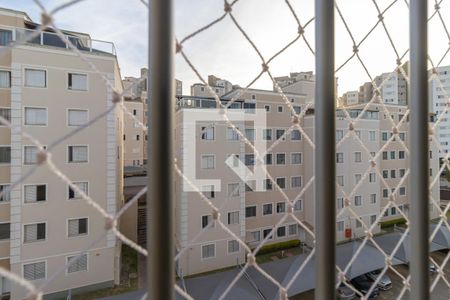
{"x": 223, "y": 51}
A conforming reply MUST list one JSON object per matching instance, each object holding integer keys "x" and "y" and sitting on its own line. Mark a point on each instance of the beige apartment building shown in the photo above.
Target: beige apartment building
{"x": 134, "y": 136}
{"x": 251, "y": 214}
{"x": 48, "y": 91}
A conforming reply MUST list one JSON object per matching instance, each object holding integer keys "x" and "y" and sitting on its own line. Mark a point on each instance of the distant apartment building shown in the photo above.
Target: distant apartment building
{"x": 393, "y": 89}
{"x": 135, "y": 100}
{"x": 439, "y": 91}
{"x": 251, "y": 214}
{"x": 48, "y": 91}
{"x": 299, "y": 83}
{"x": 219, "y": 86}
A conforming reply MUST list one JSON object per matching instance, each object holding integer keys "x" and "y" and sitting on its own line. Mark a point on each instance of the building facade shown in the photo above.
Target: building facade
{"x": 48, "y": 91}
{"x": 367, "y": 181}
{"x": 439, "y": 98}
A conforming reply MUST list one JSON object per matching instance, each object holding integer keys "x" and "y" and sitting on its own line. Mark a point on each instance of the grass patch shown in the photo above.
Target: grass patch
{"x": 391, "y": 223}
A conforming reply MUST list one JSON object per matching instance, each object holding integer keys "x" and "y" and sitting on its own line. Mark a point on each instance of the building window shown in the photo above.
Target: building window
{"x": 372, "y": 136}
{"x": 281, "y": 207}
{"x": 208, "y": 251}
{"x": 207, "y": 133}
{"x": 373, "y": 218}
{"x": 83, "y": 186}
{"x": 5, "y": 113}
{"x": 385, "y": 193}
{"x": 34, "y": 271}
{"x": 385, "y": 155}
{"x": 208, "y": 162}
{"x": 34, "y": 232}
{"x": 392, "y": 154}
{"x": 134, "y": 112}
{"x": 340, "y": 180}
{"x": 268, "y": 158}
{"x": 372, "y": 177}
{"x": 254, "y": 236}
{"x": 393, "y": 173}
{"x": 339, "y": 135}
{"x": 293, "y": 229}
{"x": 250, "y": 186}
{"x": 431, "y": 154}
{"x": 78, "y": 154}
{"x": 340, "y": 203}
{"x": 267, "y": 108}
{"x": 280, "y": 134}
{"x": 77, "y": 265}
{"x": 402, "y": 136}
{"x": 296, "y": 181}
{"x": 30, "y": 155}
{"x": 373, "y": 198}
{"x": 281, "y": 158}
{"x": 250, "y": 134}
{"x": 209, "y": 191}
{"x": 266, "y": 232}
{"x": 358, "y": 157}
{"x": 268, "y": 184}
{"x": 340, "y": 226}
{"x": 298, "y": 205}
{"x": 401, "y": 173}
{"x": 402, "y": 191}
{"x": 5, "y": 231}
{"x": 281, "y": 182}
{"x": 267, "y": 209}
{"x": 6, "y": 37}
{"x": 5, "y": 193}
{"x": 358, "y": 133}
{"x": 206, "y": 220}
{"x": 249, "y": 159}
{"x": 393, "y": 211}
{"x": 358, "y": 223}
{"x": 267, "y": 134}
{"x": 78, "y": 117}
{"x": 137, "y": 137}
{"x": 233, "y": 218}
{"x": 401, "y": 154}
{"x": 280, "y": 108}
{"x": 233, "y": 246}
{"x": 339, "y": 157}
{"x": 296, "y": 135}
{"x": 5, "y": 154}
{"x": 35, "y": 116}
{"x": 384, "y": 136}
{"x": 232, "y": 134}
{"x": 5, "y": 79}
{"x": 77, "y": 227}
{"x": 296, "y": 158}
{"x": 233, "y": 190}
{"x": 250, "y": 211}
{"x": 77, "y": 82}
{"x": 35, "y": 193}
{"x": 358, "y": 200}
{"x": 385, "y": 174}
{"x": 357, "y": 178}
{"x": 281, "y": 231}
{"x": 35, "y": 78}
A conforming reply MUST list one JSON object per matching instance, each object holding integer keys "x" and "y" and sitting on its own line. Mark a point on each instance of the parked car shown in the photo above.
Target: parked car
{"x": 363, "y": 284}
{"x": 384, "y": 283}
{"x": 345, "y": 293}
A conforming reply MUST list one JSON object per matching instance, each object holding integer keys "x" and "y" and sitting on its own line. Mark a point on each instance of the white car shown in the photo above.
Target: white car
{"x": 384, "y": 283}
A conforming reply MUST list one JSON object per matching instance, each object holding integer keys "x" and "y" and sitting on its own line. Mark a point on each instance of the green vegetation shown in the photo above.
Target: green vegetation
{"x": 391, "y": 223}
{"x": 278, "y": 246}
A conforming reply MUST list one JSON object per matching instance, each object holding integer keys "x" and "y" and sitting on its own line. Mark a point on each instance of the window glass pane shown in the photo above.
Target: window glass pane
{"x": 77, "y": 117}
{"x": 6, "y": 37}
{"x": 5, "y": 113}
{"x": 35, "y": 116}
{"x": 77, "y": 82}
{"x": 35, "y": 78}
{"x": 5, "y": 79}
{"x": 5, "y": 155}
{"x": 4, "y": 231}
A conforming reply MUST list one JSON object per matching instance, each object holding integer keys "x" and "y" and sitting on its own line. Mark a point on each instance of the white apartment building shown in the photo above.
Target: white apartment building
{"x": 439, "y": 99}
{"x": 134, "y": 136}
{"x": 48, "y": 91}
{"x": 250, "y": 214}
{"x": 220, "y": 87}
{"x": 298, "y": 83}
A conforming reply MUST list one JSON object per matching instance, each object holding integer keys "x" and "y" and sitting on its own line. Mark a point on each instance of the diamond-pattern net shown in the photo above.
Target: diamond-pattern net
{"x": 111, "y": 221}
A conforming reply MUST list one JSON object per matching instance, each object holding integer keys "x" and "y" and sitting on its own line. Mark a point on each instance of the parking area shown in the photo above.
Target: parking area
{"x": 440, "y": 292}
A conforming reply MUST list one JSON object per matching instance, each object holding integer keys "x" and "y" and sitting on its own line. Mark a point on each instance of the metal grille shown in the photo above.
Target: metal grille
{"x": 111, "y": 220}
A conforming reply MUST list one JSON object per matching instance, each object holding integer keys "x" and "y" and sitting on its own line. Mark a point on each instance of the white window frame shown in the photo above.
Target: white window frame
{"x": 37, "y": 241}
{"x": 238, "y": 217}
{"x": 10, "y": 153}
{"x": 256, "y": 211}
{"x": 36, "y": 202}
{"x": 74, "y": 256}
{"x": 77, "y": 73}
{"x": 301, "y": 182}
{"x": 276, "y": 181}
{"x": 262, "y": 210}
{"x": 24, "y": 113}
{"x": 8, "y": 185}
{"x": 301, "y": 158}
{"x": 77, "y": 162}
{"x": 202, "y": 166}
{"x": 208, "y": 244}
{"x": 2, "y": 69}
{"x": 276, "y": 159}
{"x": 77, "y": 198}
{"x": 79, "y": 109}
{"x": 10, "y": 113}
{"x": 35, "y": 262}
{"x": 35, "y": 68}
{"x": 228, "y": 248}
{"x": 232, "y": 193}
{"x": 78, "y": 235}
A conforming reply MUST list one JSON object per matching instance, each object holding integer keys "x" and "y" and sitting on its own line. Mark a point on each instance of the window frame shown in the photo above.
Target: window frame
{"x": 37, "y": 241}
{"x": 35, "y": 68}
{"x": 35, "y": 202}
{"x": 67, "y": 257}
{"x": 24, "y": 119}
{"x": 77, "y": 162}
{"x": 77, "y": 109}
{"x": 35, "y": 262}
{"x": 68, "y": 73}
{"x": 78, "y": 235}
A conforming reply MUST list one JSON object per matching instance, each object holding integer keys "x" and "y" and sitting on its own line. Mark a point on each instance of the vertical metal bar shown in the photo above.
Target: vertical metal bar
{"x": 419, "y": 149}
{"x": 325, "y": 168}
{"x": 160, "y": 207}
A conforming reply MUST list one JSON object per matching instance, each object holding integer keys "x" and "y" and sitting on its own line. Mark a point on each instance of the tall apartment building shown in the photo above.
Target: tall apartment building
{"x": 252, "y": 214}
{"x": 299, "y": 83}
{"x": 220, "y": 87}
{"x": 48, "y": 91}
{"x": 438, "y": 101}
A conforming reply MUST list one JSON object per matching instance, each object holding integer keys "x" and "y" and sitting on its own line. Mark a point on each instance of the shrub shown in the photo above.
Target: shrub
{"x": 278, "y": 246}
{"x": 391, "y": 223}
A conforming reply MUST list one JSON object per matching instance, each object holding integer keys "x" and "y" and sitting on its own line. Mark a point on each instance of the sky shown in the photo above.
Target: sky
{"x": 223, "y": 51}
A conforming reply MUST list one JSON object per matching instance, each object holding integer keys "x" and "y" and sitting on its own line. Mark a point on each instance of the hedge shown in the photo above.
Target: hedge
{"x": 391, "y": 223}
{"x": 278, "y": 246}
